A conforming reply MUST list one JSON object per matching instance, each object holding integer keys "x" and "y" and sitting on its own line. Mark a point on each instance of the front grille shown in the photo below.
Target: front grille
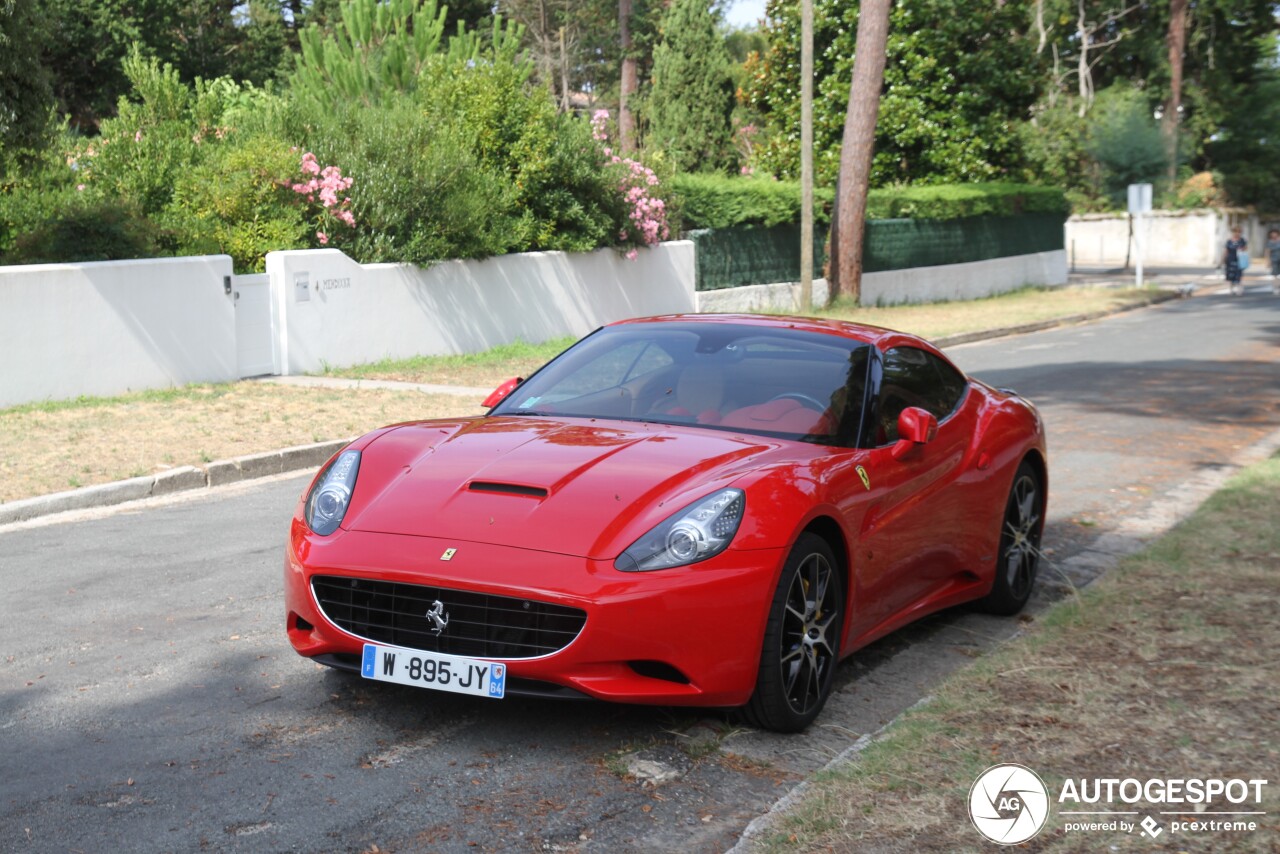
{"x": 480, "y": 625}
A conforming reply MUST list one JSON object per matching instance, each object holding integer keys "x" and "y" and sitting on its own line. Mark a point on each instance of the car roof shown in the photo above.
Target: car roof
{"x": 881, "y": 338}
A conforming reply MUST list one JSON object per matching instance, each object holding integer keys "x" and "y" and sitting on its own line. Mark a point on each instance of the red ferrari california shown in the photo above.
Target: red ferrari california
{"x": 695, "y": 510}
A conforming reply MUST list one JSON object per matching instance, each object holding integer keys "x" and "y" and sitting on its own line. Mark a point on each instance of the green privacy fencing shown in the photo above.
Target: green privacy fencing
{"x": 745, "y": 255}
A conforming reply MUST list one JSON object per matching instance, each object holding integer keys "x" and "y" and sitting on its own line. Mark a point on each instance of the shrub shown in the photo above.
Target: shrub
{"x": 718, "y": 201}
{"x": 239, "y": 202}
{"x": 1125, "y": 141}
{"x": 87, "y": 229}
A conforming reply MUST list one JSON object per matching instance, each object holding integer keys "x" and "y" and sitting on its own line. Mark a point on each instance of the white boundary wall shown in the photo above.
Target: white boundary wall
{"x": 331, "y": 310}
{"x": 110, "y": 327}
{"x": 1192, "y": 238}
{"x": 919, "y": 284}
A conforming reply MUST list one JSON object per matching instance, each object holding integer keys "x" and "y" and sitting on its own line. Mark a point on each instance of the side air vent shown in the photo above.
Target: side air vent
{"x": 507, "y": 488}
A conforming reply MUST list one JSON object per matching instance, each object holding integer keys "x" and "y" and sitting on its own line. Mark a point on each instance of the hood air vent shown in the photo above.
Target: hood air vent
{"x": 507, "y": 488}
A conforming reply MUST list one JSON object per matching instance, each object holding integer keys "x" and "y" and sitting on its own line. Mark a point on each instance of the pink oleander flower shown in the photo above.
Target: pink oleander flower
{"x": 137, "y": 137}
{"x": 80, "y": 187}
{"x": 326, "y": 185}
{"x": 599, "y": 125}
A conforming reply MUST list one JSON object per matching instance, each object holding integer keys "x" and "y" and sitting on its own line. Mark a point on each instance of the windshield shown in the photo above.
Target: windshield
{"x": 775, "y": 382}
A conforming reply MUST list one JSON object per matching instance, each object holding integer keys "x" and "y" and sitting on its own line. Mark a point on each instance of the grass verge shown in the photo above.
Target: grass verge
{"x": 65, "y": 445}
{"x": 479, "y": 370}
{"x": 1028, "y": 305}
{"x": 1165, "y": 668}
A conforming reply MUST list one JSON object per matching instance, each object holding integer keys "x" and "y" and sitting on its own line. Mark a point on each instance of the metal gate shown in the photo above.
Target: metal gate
{"x": 255, "y": 341}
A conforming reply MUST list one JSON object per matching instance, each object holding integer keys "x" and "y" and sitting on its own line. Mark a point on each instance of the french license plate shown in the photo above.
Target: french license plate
{"x": 436, "y": 670}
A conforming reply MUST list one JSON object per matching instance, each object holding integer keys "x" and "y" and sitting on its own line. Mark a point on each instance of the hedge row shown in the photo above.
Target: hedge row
{"x": 717, "y": 201}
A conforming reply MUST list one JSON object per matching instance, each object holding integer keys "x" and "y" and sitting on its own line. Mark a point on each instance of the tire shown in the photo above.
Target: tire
{"x": 801, "y": 640}
{"x": 1019, "y": 557}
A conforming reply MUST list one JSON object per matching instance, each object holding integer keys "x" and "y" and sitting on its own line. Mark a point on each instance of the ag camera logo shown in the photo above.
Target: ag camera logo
{"x": 1008, "y": 804}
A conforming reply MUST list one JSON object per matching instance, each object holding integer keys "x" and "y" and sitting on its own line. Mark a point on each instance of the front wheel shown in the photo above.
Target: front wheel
{"x": 801, "y": 640}
{"x": 1019, "y": 554}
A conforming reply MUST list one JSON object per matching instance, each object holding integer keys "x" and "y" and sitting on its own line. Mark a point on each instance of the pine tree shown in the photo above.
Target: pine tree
{"x": 692, "y": 96}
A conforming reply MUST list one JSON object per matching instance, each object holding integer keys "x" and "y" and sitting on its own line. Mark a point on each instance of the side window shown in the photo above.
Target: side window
{"x": 952, "y": 387}
{"x": 914, "y": 377}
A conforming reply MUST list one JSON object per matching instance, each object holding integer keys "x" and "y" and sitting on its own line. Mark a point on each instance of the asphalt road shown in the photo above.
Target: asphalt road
{"x": 150, "y": 702}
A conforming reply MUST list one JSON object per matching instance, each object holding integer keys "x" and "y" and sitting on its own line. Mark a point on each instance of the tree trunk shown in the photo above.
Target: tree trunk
{"x": 629, "y": 83}
{"x": 1082, "y": 71}
{"x": 858, "y": 146}
{"x": 1176, "y": 40}
{"x": 1041, "y": 32}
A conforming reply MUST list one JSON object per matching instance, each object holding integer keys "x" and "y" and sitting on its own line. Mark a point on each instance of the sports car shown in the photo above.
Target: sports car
{"x": 703, "y": 510}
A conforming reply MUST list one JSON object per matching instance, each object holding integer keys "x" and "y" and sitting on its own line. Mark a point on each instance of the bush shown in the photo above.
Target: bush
{"x": 473, "y": 163}
{"x": 88, "y": 229}
{"x": 713, "y": 201}
{"x": 1125, "y": 141}
{"x": 562, "y": 198}
{"x": 239, "y": 202}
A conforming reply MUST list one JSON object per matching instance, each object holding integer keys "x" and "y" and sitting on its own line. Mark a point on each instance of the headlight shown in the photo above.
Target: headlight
{"x": 697, "y": 532}
{"x": 331, "y": 496}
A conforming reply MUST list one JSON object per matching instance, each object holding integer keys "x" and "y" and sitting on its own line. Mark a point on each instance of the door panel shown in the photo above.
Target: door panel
{"x": 255, "y": 342}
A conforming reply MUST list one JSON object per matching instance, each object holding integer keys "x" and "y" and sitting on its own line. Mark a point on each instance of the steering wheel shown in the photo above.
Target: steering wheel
{"x": 812, "y": 403}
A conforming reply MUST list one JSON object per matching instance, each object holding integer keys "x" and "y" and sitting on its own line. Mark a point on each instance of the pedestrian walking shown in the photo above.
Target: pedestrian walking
{"x": 1235, "y": 257}
{"x": 1273, "y": 253}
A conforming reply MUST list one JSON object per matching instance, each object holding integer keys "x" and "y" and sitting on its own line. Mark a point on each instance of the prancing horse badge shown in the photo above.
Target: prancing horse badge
{"x": 449, "y": 553}
{"x": 866, "y": 480}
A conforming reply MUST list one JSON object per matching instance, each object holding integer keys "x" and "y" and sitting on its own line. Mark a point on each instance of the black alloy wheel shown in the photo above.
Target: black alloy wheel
{"x": 1019, "y": 554}
{"x": 801, "y": 641}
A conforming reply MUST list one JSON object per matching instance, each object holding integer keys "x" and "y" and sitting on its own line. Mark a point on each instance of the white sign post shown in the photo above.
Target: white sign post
{"x": 1139, "y": 206}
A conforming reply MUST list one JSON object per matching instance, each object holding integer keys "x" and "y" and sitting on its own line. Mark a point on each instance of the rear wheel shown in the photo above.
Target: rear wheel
{"x": 801, "y": 640}
{"x": 1019, "y": 554}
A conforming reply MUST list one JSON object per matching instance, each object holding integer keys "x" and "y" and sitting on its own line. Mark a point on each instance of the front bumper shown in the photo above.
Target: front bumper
{"x": 684, "y": 636}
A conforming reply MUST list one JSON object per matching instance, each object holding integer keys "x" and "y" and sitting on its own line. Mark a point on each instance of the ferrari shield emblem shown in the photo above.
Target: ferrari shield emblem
{"x": 448, "y": 554}
{"x": 862, "y": 473}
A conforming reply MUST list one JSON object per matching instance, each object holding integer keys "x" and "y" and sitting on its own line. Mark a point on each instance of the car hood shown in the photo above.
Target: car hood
{"x": 579, "y": 487}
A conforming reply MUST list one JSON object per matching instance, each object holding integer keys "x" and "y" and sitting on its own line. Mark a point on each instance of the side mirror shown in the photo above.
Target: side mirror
{"x": 916, "y": 427}
{"x": 498, "y": 394}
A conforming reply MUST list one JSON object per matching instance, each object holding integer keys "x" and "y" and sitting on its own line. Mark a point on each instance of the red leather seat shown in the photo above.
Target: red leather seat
{"x": 779, "y": 416}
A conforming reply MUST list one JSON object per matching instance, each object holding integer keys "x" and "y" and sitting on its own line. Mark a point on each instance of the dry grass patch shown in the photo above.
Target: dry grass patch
{"x": 1029, "y": 305}
{"x": 59, "y": 446}
{"x": 477, "y": 370}
{"x": 1166, "y": 668}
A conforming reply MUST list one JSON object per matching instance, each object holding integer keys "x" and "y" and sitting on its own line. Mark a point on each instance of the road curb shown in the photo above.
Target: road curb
{"x": 176, "y": 480}
{"x": 299, "y": 457}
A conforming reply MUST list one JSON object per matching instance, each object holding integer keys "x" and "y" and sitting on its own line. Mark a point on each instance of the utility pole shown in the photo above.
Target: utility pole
{"x": 806, "y": 156}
